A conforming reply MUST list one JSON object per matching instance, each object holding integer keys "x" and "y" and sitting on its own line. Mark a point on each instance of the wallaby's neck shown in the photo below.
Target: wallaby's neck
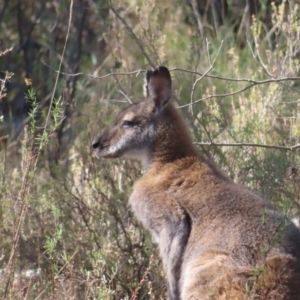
{"x": 173, "y": 140}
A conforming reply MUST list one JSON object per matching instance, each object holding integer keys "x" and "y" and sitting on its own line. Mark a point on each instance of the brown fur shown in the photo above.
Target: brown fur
{"x": 217, "y": 239}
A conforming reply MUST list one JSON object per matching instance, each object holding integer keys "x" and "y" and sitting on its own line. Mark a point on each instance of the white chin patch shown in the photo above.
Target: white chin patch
{"x": 141, "y": 154}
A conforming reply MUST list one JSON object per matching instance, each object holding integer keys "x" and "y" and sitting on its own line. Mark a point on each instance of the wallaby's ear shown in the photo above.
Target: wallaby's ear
{"x": 158, "y": 86}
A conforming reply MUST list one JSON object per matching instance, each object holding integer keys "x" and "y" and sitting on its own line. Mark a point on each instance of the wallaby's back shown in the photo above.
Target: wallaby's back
{"x": 217, "y": 239}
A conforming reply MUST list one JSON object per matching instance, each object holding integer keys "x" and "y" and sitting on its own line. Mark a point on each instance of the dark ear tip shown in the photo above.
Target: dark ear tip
{"x": 164, "y": 71}
{"x": 161, "y": 70}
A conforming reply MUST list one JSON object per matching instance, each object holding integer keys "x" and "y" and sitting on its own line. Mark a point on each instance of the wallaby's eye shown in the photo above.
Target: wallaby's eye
{"x": 128, "y": 123}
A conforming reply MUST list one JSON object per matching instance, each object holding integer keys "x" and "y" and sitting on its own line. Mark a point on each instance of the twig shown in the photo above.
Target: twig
{"x": 219, "y": 95}
{"x": 206, "y": 131}
{"x": 57, "y": 77}
{"x": 137, "y": 72}
{"x": 272, "y": 31}
{"x": 136, "y": 290}
{"x": 73, "y": 58}
{"x": 68, "y": 261}
{"x": 259, "y": 60}
{"x": 240, "y": 79}
{"x": 6, "y": 51}
{"x": 207, "y": 49}
{"x": 206, "y": 72}
{"x": 23, "y": 209}
{"x": 253, "y": 82}
{"x": 125, "y": 96}
{"x": 133, "y": 36}
{"x": 290, "y": 148}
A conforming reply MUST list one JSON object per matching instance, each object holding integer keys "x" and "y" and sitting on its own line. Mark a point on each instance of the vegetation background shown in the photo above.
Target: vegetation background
{"x": 68, "y": 66}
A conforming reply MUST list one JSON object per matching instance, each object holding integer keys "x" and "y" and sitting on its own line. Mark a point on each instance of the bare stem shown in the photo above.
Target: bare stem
{"x": 138, "y": 42}
{"x": 137, "y": 72}
{"x": 290, "y": 148}
{"x": 205, "y": 73}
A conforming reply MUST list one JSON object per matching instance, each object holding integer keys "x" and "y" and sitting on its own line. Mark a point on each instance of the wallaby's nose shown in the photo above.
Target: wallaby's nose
{"x": 96, "y": 144}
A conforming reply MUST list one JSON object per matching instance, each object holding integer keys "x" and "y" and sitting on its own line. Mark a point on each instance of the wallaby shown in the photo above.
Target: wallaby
{"x": 217, "y": 240}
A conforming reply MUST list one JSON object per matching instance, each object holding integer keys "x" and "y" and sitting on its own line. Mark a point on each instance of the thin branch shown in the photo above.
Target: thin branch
{"x": 207, "y": 49}
{"x": 240, "y": 90}
{"x": 133, "y": 36}
{"x": 137, "y": 72}
{"x": 206, "y": 72}
{"x": 219, "y": 95}
{"x": 73, "y": 58}
{"x": 57, "y": 77}
{"x": 5, "y": 51}
{"x": 125, "y": 96}
{"x": 259, "y": 60}
{"x": 239, "y": 79}
{"x": 253, "y": 82}
{"x": 205, "y": 130}
{"x": 67, "y": 263}
{"x": 290, "y": 148}
{"x": 272, "y": 31}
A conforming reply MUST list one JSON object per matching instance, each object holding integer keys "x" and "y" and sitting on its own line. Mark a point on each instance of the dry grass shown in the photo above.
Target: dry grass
{"x": 77, "y": 238}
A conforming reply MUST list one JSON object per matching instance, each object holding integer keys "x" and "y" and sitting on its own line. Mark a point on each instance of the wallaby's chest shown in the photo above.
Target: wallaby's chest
{"x": 155, "y": 204}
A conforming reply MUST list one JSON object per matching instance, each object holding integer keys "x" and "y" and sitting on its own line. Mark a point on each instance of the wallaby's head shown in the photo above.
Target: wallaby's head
{"x": 140, "y": 128}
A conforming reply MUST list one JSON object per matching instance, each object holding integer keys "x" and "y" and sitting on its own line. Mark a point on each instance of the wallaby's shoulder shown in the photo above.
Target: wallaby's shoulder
{"x": 163, "y": 177}
{"x": 196, "y": 182}
{"x": 189, "y": 169}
